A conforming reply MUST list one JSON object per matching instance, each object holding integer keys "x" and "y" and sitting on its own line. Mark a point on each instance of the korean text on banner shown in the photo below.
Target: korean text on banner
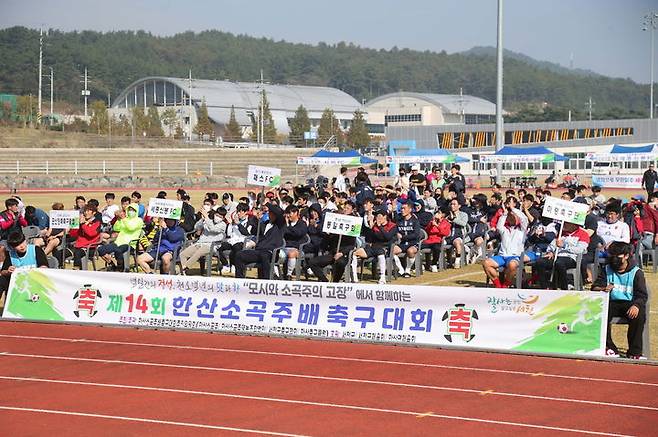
{"x": 168, "y": 209}
{"x": 548, "y": 157}
{"x": 620, "y": 157}
{"x": 617, "y": 181}
{"x": 429, "y": 159}
{"x": 264, "y": 176}
{"x": 342, "y": 224}
{"x": 559, "y": 209}
{"x": 64, "y": 219}
{"x": 519, "y": 320}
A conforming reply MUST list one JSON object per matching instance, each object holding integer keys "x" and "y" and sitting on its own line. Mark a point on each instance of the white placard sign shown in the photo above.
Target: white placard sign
{"x": 562, "y": 210}
{"x": 342, "y": 224}
{"x": 483, "y": 318}
{"x": 264, "y": 176}
{"x": 168, "y": 209}
{"x": 64, "y": 219}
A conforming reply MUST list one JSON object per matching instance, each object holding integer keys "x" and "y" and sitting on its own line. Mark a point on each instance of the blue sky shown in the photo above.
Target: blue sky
{"x": 604, "y": 36}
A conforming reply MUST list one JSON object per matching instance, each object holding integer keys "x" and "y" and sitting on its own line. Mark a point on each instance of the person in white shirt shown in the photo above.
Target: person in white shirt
{"x": 612, "y": 228}
{"x": 340, "y": 183}
{"x": 110, "y": 209}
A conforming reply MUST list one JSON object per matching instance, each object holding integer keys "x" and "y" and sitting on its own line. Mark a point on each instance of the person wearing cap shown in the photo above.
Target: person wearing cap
{"x": 379, "y": 238}
{"x": 649, "y": 179}
{"x": 409, "y": 239}
{"x": 627, "y": 288}
{"x": 424, "y": 216}
{"x": 417, "y": 181}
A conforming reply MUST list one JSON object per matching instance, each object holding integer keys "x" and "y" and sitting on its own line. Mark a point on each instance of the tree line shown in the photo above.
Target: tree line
{"x": 116, "y": 59}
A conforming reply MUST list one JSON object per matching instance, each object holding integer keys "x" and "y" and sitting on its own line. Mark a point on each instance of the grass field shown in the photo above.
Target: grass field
{"x": 469, "y": 276}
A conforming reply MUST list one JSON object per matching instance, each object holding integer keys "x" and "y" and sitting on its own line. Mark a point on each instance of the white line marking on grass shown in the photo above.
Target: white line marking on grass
{"x": 144, "y": 420}
{"x": 332, "y": 378}
{"x": 287, "y": 401}
{"x": 328, "y": 357}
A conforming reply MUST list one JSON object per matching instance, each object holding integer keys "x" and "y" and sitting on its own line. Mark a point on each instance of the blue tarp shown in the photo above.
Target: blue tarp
{"x": 434, "y": 152}
{"x": 628, "y": 149}
{"x": 539, "y": 150}
{"x": 347, "y": 154}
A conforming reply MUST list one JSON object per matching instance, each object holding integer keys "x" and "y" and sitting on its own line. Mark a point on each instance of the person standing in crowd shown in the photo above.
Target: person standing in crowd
{"x": 341, "y": 183}
{"x": 626, "y": 284}
{"x": 417, "y": 181}
{"x": 649, "y": 179}
{"x": 493, "y": 174}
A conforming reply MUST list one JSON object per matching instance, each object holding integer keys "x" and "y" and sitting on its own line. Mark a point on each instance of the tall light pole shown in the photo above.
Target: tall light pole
{"x": 500, "y": 132}
{"x": 651, "y": 23}
{"x": 40, "y": 73}
{"x": 52, "y": 77}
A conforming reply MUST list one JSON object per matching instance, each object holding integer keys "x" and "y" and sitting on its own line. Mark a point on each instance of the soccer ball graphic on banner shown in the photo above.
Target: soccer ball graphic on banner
{"x": 563, "y": 328}
{"x": 34, "y": 297}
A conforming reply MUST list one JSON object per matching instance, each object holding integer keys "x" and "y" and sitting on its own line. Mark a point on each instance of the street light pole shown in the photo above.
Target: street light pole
{"x": 500, "y": 132}
{"x": 650, "y": 24}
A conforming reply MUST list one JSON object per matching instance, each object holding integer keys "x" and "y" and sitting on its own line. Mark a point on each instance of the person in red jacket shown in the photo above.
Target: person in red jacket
{"x": 650, "y": 222}
{"x": 88, "y": 237}
{"x": 10, "y": 220}
{"x": 436, "y": 230}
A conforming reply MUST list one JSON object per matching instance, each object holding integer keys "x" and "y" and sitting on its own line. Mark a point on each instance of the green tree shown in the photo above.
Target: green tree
{"x": 329, "y": 126}
{"x": 269, "y": 130}
{"x": 299, "y": 124}
{"x": 358, "y": 133}
{"x": 99, "y": 117}
{"x": 26, "y": 108}
{"x": 155, "y": 125}
{"x": 203, "y": 125}
{"x": 233, "y": 129}
{"x": 170, "y": 120}
{"x": 140, "y": 121}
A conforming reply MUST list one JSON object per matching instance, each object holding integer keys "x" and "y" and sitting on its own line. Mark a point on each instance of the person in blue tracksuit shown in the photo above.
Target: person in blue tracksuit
{"x": 625, "y": 282}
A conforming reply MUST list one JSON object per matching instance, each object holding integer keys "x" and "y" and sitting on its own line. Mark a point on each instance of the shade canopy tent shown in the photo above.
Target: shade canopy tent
{"x": 523, "y": 154}
{"x": 325, "y": 157}
{"x": 426, "y": 156}
{"x": 620, "y": 153}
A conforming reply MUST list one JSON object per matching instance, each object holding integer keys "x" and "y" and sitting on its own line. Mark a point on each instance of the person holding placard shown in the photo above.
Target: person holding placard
{"x": 561, "y": 255}
{"x": 170, "y": 236}
{"x": 337, "y": 253}
{"x": 87, "y": 237}
{"x": 379, "y": 239}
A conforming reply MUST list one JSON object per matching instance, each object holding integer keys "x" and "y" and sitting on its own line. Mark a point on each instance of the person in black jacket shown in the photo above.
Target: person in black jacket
{"x": 314, "y": 222}
{"x": 294, "y": 235}
{"x": 336, "y": 256}
{"x": 188, "y": 215}
{"x": 270, "y": 240}
{"x": 379, "y": 238}
{"x": 649, "y": 179}
{"x": 409, "y": 236}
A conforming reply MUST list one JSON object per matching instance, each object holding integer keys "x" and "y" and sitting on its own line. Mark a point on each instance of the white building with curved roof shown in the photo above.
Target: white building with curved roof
{"x": 221, "y": 95}
{"x": 426, "y": 109}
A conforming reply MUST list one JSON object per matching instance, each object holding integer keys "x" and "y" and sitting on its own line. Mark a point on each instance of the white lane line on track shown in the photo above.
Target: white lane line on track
{"x": 140, "y": 419}
{"x": 318, "y": 404}
{"x": 331, "y": 378}
{"x": 327, "y": 357}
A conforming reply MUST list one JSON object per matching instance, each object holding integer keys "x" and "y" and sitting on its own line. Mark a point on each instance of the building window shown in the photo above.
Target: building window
{"x": 402, "y": 118}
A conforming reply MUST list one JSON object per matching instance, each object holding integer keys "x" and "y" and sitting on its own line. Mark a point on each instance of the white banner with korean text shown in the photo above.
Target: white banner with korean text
{"x": 484, "y": 318}
{"x": 618, "y": 181}
{"x": 263, "y": 176}
{"x": 563, "y": 210}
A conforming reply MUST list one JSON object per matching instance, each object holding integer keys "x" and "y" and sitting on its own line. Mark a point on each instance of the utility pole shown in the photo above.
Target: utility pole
{"x": 262, "y": 109}
{"x": 650, "y": 24}
{"x": 85, "y": 91}
{"x": 109, "y": 120}
{"x": 189, "y": 95}
{"x": 40, "y": 73}
{"x": 51, "y": 94}
{"x": 589, "y": 105}
{"x": 500, "y": 132}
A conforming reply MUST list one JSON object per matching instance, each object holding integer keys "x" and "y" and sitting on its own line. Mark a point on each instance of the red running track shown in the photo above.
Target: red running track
{"x": 75, "y": 380}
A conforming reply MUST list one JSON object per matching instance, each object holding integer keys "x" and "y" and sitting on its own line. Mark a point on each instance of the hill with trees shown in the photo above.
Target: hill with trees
{"x": 116, "y": 59}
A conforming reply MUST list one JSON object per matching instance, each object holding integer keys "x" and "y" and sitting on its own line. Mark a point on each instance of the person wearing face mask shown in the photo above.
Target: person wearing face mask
{"x": 626, "y": 284}
{"x": 128, "y": 227}
{"x": 20, "y": 254}
{"x": 170, "y": 236}
{"x": 212, "y": 227}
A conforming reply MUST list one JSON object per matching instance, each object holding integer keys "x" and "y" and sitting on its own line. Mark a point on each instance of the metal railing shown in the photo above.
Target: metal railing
{"x": 111, "y": 168}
